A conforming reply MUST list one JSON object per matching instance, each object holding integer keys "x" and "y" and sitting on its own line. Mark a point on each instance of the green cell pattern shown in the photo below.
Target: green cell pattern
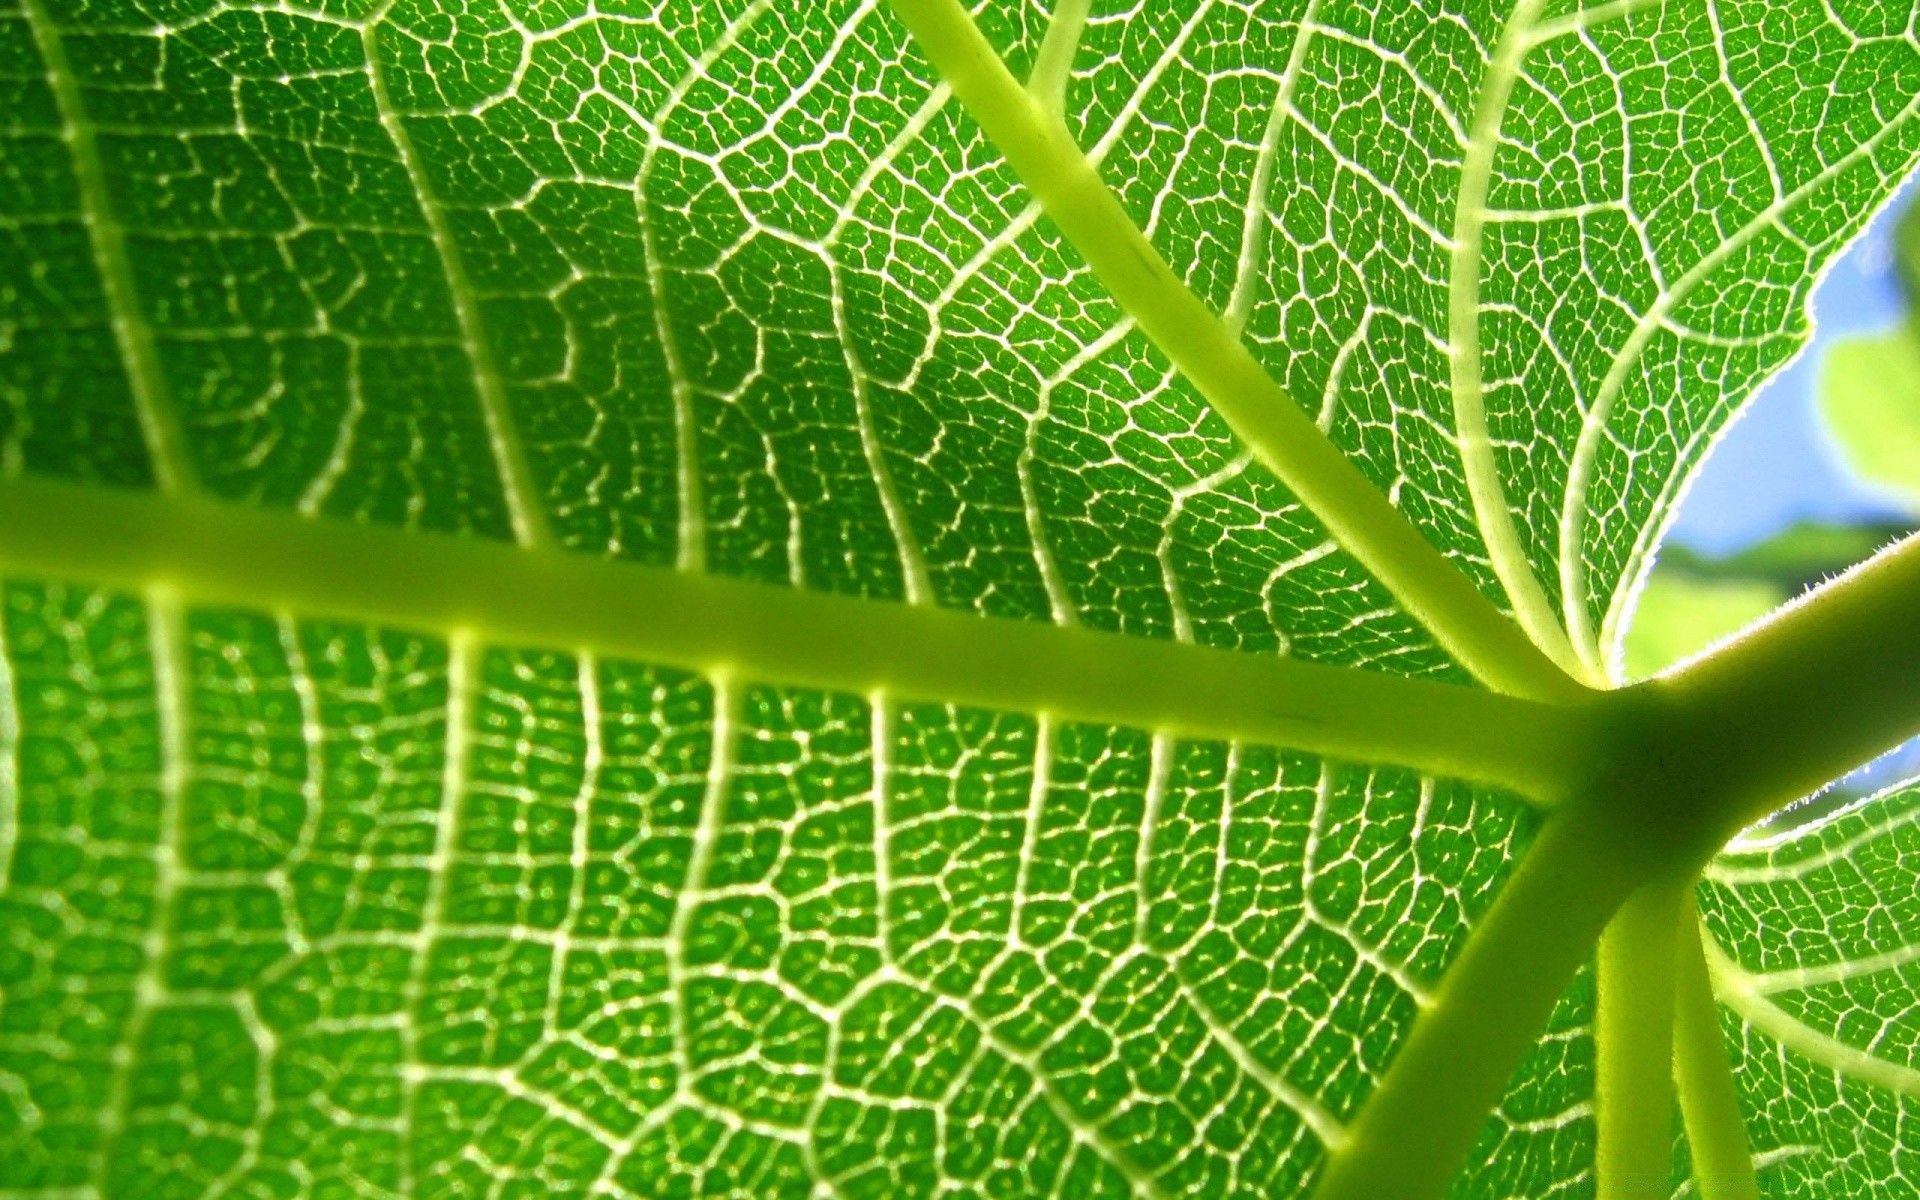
{"x": 296, "y": 908}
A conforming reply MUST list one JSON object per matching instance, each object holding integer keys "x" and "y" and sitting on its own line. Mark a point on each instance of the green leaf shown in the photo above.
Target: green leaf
{"x": 499, "y": 506}
{"x": 1870, "y": 399}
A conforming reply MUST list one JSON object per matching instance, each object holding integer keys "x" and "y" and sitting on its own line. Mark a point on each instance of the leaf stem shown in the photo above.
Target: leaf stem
{"x": 1418, "y": 1126}
{"x": 1709, "y": 1101}
{"x": 1825, "y": 684}
{"x": 1211, "y": 356}
{"x": 1633, "y": 1038}
{"x": 219, "y": 553}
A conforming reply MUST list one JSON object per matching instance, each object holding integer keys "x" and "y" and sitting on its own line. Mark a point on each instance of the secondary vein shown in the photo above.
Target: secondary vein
{"x": 132, "y": 335}
{"x": 1731, "y": 986}
{"x": 522, "y": 496}
{"x": 1211, "y": 356}
{"x": 1491, "y": 511}
{"x": 172, "y": 671}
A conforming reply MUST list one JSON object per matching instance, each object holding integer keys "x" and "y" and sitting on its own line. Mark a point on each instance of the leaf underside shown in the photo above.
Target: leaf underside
{"x": 295, "y": 905}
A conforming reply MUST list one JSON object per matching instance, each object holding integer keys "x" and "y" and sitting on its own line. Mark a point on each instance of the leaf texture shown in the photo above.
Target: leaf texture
{"x": 297, "y": 906}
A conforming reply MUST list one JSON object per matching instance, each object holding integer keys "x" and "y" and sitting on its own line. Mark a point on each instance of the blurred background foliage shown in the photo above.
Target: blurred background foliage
{"x": 1869, "y": 392}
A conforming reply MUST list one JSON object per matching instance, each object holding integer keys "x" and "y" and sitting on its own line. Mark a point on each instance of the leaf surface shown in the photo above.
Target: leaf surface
{"x": 298, "y": 904}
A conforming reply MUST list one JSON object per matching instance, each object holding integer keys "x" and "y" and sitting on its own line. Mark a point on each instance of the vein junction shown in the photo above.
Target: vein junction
{"x": 1208, "y": 351}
